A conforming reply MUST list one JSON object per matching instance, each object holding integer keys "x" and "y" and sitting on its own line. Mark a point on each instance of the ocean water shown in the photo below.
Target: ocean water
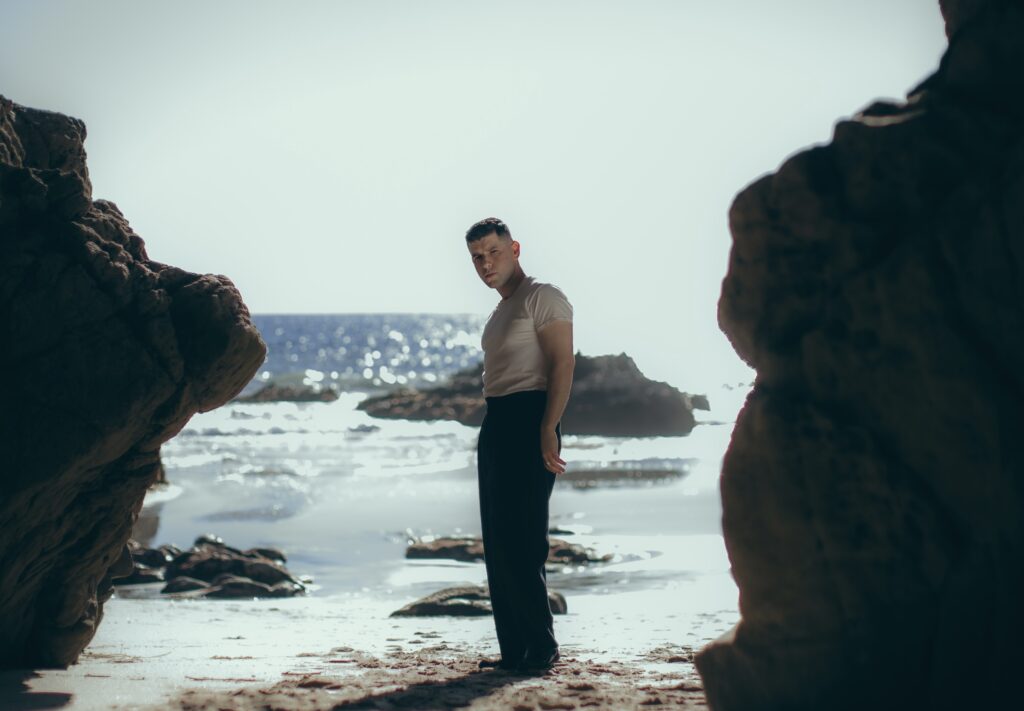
{"x": 342, "y": 493}
{"x": 359, "y": 351}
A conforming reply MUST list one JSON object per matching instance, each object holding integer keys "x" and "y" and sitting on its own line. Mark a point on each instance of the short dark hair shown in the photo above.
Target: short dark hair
{"x": 485, "y": 227}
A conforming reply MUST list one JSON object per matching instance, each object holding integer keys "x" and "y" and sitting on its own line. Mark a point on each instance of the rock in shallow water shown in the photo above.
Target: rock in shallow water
{"x": 211, "y": 558}
{"x": 610, "y": 397}
{"x": 211, "y": 568}
{"x": 113, "y": 354}
{"x": 182, "y": 584}
{"x": 471, "y": 549}
{"x": 872, "y": 491}
{"x": 273, "y": 392}
{"x": 466, "y": 601}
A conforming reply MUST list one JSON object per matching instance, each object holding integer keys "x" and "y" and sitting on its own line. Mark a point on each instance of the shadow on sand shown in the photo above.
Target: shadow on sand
{"x": 15, "y": 694}
{"x": 453, "y": 693}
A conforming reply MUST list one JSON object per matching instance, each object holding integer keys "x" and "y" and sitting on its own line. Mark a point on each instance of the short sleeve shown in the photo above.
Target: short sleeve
{"x": 548, "y": 304}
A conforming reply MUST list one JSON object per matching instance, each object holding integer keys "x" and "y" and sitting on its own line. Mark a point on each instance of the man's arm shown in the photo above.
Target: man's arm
{"x": 556, "y": 343}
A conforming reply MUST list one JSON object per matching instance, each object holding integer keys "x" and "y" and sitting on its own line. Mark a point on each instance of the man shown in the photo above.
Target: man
{"x": 528, "y": 366}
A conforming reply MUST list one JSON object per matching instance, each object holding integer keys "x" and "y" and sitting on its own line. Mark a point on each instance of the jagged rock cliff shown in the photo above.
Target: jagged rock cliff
{"x": 874, "y": 487}
{"x": 106, "y": 355}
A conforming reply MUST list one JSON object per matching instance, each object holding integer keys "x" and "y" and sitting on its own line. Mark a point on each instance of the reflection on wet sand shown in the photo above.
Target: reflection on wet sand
{"x": 624, "y": 473}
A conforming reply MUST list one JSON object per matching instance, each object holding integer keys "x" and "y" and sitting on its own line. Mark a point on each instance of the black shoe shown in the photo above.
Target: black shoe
{"x": 497, "y": 664}
{"x": 533, "y": 663}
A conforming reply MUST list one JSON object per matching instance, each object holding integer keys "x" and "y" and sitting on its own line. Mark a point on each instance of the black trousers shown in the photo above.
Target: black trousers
{"x": 515, "y": 488}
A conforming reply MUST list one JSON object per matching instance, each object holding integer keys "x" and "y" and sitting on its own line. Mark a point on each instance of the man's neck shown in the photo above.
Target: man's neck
{"x": 509, "y": 287}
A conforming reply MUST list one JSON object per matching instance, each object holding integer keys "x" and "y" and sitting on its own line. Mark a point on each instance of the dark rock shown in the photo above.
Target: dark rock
{"x": 560, "y": 531}
{"x": 170, "y": 551}
{"x": 872, "y": 490}
{"x": 183, "y": 584}
{"x": 237, "y": 586}
{"x": 610, "y": 396}
{"x": 208, "y": 560}
{"x": 273, "y": 392}
{"x": 113, "y": 352}
{"x": 274, "y": 554}
{"x": 122, "y": 568}
{"x": 466, "y": 548}
{"x": 465, "y": 601}
{"x": 557, "y": 603}
{"x": 564, "y": 553}
{"x": 150, "y": 557}
{"x": 699, "y": 402}
{"x": 221, "y": 570}
{"x": 470, "y": 549}
{"x": 141, "y": 575}
{"x": 212, "y": 539}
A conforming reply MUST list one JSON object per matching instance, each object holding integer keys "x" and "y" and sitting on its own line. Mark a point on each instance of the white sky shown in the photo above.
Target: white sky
{"x": 329, "y": 156}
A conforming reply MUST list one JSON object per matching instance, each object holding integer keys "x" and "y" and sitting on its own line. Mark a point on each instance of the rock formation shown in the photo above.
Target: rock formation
{"x": 610, "y": 396}
{"x": 470, "y": 549}
{"x": 211, "y": 568}
{"x": 466, "y": 601}
{"x": 274, "y": 392}
{"x": 873, "y": 489}
{"x": 107, "y": 354}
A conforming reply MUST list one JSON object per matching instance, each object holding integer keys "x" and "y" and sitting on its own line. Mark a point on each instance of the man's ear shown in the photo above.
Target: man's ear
{"x": 515, "y": 248}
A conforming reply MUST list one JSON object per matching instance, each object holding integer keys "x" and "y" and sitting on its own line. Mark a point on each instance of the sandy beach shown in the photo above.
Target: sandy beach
{"x": 343, "y": 494}
{"x": 620, "y": 651}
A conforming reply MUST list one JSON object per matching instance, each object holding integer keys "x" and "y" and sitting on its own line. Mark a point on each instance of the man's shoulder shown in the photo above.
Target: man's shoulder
{"x": 539, "y": 290}
{"x": 546, "y": 303}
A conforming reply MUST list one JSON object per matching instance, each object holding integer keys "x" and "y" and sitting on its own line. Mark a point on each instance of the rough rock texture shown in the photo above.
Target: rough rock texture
{"x": 273, "y": 392}
{"x": 107, "y": 354}
{"x": 874, "y": 486}
{"x": 470, "y": 549}
{"x": 209, "y": 558}
{"x": 610, "y": 396}
{"x": 215, "y": 569}
{"x": 466, "y": 601}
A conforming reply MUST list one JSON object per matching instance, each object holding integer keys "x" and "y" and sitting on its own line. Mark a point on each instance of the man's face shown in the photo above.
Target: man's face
{"x": 494, "y": 259}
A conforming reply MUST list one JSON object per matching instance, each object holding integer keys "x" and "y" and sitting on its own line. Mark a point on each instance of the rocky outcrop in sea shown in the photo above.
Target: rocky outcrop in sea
{"x": 274, "y": 392}
{"x": 872, "y": 492}
{"x": 610, "y": 397}
{"x": 108, "y": 354}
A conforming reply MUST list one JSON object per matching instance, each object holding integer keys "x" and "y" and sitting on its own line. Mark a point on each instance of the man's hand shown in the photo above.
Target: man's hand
{"x": 556, "y": 343}
{"x": 549, "y": 451}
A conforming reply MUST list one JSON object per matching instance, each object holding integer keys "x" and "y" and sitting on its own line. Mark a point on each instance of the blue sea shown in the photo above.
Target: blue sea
{"x": 367, "y": 351}
{"x": 343, "y": 493}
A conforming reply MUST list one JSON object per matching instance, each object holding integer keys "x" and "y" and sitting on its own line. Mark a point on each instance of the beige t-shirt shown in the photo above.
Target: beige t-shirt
{"x": 513, "y": 360}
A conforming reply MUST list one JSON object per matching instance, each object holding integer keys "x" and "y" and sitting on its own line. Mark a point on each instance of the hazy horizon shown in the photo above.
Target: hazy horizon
{"x": 328, "y": 157}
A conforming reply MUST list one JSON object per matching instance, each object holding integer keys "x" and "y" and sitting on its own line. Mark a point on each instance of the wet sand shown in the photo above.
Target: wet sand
{"x": 619, "y": 651}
